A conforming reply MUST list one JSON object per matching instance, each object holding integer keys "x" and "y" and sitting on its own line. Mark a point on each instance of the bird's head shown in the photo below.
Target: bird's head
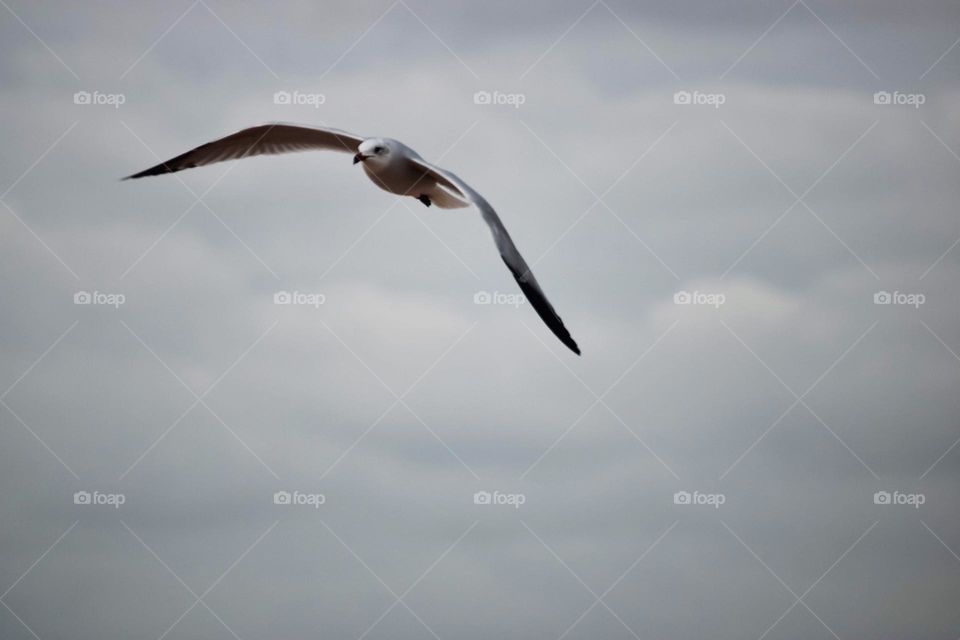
{"x": 374, "y": 151}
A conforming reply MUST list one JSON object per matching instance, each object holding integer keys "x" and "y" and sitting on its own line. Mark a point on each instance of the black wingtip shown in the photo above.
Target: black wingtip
{"x": 561, "y": 332}
{"x": 141, "y": 174}
{"x": 158, "y": 170}
{"x": 568, "y": 341}
{"x": 172, "y": 165}
{"x": 543, "y": 308}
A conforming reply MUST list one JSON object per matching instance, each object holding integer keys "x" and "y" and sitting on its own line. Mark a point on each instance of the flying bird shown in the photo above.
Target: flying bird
{"x": 392, "y": 166}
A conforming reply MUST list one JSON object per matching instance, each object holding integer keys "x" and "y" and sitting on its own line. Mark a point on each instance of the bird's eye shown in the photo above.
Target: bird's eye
{"x": 378, "y": 149}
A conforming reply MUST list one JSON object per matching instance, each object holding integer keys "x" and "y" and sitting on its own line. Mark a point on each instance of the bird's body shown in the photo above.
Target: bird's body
{"x": 399, "y": 169}
{"x": 393, "y": 167}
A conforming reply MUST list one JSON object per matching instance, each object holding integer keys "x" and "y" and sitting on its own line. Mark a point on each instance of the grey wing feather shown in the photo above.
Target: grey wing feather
{"x": 508, "y": 252}
{"x": 266, "y": 139}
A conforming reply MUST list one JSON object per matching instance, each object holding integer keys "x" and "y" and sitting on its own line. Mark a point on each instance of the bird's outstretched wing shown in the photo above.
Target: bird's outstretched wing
{"x": 264, "y": 139}
{"x": 508, "y": 251}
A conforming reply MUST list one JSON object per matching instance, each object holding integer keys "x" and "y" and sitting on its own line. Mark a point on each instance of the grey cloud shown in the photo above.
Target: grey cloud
{"x": 313, "y": 401}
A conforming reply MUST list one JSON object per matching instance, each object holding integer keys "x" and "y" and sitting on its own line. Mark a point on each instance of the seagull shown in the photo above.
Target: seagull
{"x": 392, "y": 166}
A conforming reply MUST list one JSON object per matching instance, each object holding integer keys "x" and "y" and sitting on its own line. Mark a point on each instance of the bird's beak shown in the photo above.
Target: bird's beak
{"x": 359, "y": 158}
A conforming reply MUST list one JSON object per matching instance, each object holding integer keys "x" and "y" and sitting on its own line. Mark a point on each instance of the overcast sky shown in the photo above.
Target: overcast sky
{"x": 756, "y": 251}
